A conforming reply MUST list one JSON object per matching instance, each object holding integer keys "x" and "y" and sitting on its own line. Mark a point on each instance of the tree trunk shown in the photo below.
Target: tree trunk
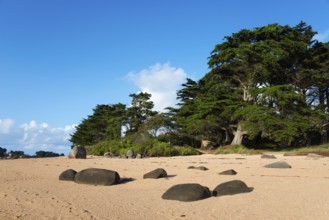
{"x": 238, "y": 136}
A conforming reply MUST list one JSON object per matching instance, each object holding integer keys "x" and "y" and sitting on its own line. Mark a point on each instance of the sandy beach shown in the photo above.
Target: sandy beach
{"x": 30, "y": 189}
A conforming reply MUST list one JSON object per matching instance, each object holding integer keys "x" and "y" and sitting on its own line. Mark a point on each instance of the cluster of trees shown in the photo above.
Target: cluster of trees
{"x": 18, "y": 154}
{"x": 268, "y": 86}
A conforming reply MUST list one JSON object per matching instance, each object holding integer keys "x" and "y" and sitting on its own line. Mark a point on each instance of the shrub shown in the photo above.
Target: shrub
{"x": 184, "y": 151}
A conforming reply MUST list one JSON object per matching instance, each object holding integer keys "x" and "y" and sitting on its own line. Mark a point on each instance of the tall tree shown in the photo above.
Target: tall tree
{"x": 140, "y": 110}
{"x": 105, "y": 123}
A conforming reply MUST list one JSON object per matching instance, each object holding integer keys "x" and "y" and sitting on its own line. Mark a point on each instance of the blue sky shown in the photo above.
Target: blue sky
{"x": 60, "y": 58}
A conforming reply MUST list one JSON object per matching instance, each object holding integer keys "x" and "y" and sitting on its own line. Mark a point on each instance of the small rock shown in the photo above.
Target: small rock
{"x": 155, "y": 174}
{"x": 108, "y": 154}
{"x": 130, "y": 154}
{"x": 198, "y": 168}
{"x": 279, "y": 165}
{"x": 267, "y": 156}
{"x": 228, "y": 172}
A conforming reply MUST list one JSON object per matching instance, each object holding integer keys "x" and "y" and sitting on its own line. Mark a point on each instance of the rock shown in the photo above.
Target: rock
{"x": 228, "y": 172}
{"x": 314, "y": 156}
{"x": 279, "y": 165}
{"x": 130, "y": 153}
{"x": 187, "y": 192}
{"x": 198, "y": 168}
{"x": 267, "y": 156}
{"x": 95, "y": 176}
{"x": 231, "y": 188}
{"x": 207, "y": 145}
{"x": 155, "y": 174}
{"x": 108, "y": 154}
{"x": 78, "y": 152}
{"x": 138, "y": 156}
{"x": 68, "y": 175}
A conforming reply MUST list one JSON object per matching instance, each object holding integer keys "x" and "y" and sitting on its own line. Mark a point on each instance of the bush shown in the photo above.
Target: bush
{"x": 236, "y": 149}
{"x": 146, "y": 146}
{"x": 185, "y": 151}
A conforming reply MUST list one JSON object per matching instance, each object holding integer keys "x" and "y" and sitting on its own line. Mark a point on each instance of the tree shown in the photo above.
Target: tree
{"x": 3, "y": 152}
{"x": 140, "y": 111}
{"x": 260, "y": 84}
{"x": 105, "y": 123}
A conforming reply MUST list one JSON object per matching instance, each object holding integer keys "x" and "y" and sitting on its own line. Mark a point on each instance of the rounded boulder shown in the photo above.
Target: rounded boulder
{"x": 231, "y": 188}
{"x": 68, "y": 175}
{"x": 155, "y": 174}
{"x": 187, "y": 192}
{"x": 95, "y": 176}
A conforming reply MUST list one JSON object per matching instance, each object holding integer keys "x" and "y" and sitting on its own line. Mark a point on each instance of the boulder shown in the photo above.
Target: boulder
{"x": 155, "y": 174}
{"x": 130, "y": 154}
{"x": 198, "y": 168}
{"x": 231, "y": 188}
{"x": 138, "y": 156}
{"x": 228, "y": 172}
{"x": 267, "y": 156}
{"x": 68, "y": 175}
{"x": 187, "y": 192}
{"x": 108, "y": 154}
{"x": 95, "y": 176}
{"x": 78, "y": 152}
{"x": 279, "y": 165}
{"x": 207, "y": 145}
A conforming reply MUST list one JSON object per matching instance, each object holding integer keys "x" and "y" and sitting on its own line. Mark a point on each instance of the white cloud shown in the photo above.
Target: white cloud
{"x": 323, "y": 36}
{"x": 160, "y": 80}
{"x": 6, "y": 125}
{"x": 32, "y": 137}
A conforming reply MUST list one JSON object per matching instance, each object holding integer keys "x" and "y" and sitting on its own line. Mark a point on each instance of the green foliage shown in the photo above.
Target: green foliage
{"x": 47, "y": 154}
{"x": 236, "y": 149}
{"x": 151, "y": 148}
{"x": 3, "y": 152}
{"x": 268, "y": 85}
{"x": 186, "y": 151}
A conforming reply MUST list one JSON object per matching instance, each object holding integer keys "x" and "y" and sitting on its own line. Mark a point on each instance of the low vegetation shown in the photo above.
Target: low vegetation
{"x": 149, "y": 147}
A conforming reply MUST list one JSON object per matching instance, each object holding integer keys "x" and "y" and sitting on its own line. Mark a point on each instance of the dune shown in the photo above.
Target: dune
{"x": 31, "y": 189}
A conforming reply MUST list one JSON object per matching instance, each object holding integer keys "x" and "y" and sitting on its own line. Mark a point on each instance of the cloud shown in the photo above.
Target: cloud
{"x": 6, "y": 125}
{"x": 31, "y": 137}
{"x": 322, "y": 37}
{"x": 160, "y": 80}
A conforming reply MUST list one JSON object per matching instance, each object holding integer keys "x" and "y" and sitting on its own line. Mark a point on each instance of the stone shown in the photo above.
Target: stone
{"x": 130, "y": 154}
{"x": 228, "y": 172}
{"x": 108, "y": 154}
{"x": 68, "y": 175}
{"x": 231, "y": 188}
{"x": 187, "y": 192}
{"x": 267, "y": 156}
{"x": 198, "y": 168}
{"x": 155, "y": 174}
{"x": 95, "y": 176}
{"x": 279, "y": 165}
{"x": 78, "y": 152}
{"x": 139, "y": 156}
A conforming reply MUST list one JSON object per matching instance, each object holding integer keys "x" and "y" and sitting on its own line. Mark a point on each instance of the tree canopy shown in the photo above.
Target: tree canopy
{"x": 267, "y": 85}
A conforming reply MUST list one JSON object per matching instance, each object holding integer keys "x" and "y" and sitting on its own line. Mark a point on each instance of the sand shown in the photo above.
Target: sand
{"x": 30, "y": 189}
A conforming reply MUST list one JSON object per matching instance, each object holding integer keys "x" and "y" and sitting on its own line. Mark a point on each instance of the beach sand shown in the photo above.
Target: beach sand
{"x": 30, "y": 189}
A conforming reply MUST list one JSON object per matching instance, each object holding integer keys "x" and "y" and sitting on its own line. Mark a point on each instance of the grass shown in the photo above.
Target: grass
{"x": 240, "y": 149}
